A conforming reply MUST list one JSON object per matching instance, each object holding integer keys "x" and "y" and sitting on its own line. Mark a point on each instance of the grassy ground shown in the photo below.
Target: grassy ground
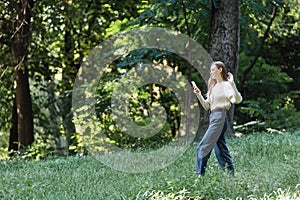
{"x": 267, "y": 167}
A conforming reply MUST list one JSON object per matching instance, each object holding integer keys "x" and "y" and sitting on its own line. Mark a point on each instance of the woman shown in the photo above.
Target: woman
{"x": 222, "y": 92}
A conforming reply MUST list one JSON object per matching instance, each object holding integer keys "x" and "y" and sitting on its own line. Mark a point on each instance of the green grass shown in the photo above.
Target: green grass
{"x": 267, "y": 167}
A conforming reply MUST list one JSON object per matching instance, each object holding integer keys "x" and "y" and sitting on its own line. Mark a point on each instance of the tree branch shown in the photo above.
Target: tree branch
{"x": 14, "y": 5}
{"x": 258, "y": 53}
{"x": 185, "y": 19}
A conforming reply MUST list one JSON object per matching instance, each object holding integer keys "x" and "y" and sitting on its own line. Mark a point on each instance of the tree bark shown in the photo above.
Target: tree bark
{"x": 23, "y": 102}
{"x": 24, "y": 109}
{"x": 225, "y": 36}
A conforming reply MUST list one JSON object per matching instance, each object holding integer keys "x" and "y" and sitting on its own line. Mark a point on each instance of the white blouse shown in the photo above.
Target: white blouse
{"x": 223, "y": 94}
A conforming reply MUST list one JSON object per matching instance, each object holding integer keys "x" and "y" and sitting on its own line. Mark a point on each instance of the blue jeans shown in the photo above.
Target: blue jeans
{"x": 214, "y": 138}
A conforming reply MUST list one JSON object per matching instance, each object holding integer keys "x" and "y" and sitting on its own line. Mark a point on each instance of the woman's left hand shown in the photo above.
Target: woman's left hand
{"x": 230, "y": 77}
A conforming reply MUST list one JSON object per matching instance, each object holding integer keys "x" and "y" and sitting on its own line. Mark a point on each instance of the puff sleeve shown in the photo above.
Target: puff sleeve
{"x": 233, "y": 94}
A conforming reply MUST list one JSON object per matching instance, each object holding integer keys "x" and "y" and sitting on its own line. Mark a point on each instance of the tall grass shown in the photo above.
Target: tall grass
{"x": 267, "y": 167}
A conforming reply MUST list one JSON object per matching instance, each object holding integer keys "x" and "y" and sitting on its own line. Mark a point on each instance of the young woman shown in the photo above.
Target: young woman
{"x": 222, "y": 92}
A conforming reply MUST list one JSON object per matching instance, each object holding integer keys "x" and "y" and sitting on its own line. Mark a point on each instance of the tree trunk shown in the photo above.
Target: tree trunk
{"x": 24, "y": 108}
{"x": 224, "y": 43}
{"x": 189, "y": 75}
{"x": 23, "y": 102}
{"x": 68, "y": 78}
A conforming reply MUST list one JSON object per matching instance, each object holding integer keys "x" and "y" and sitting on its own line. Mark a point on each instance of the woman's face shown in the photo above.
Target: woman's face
{"x": 215, "y": 73}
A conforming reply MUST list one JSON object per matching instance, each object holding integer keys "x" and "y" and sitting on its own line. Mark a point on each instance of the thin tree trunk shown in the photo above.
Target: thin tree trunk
{"x": 224, "y": 44}
{"x": 189, "y": 92}
{"x": 68, "y": 78}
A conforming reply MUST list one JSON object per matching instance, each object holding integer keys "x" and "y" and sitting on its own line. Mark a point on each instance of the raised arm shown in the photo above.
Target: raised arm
{"x": 235, "y": 96}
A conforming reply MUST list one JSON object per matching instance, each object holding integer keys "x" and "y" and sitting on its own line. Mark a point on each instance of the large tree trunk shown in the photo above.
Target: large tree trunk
{"x": 224, "y": 45}
{"x": 22, "y": 110}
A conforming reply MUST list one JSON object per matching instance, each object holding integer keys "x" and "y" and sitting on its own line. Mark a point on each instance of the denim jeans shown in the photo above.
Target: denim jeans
{"x": 214, "y": 137}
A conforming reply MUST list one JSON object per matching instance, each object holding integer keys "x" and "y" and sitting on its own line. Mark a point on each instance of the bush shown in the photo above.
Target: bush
{"x": 278, "y": 113}
{"x": 267, "y": 99}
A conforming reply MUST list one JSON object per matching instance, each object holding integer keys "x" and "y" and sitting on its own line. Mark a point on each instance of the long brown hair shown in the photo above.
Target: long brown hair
{"x": 212, "y": 82}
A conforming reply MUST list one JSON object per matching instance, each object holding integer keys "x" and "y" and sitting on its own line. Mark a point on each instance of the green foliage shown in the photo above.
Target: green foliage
{"x": 278, "y": 114}
{"x": 6, "y": 98}
{"x": 188, "y": 17}
{"x": 42, "y": 147}
{"x": 272, "y": 88}
{"x": 140, "y": 101}
{"x": 265, "y": 169}
{"x": 254, "y": 18}
{"x": 283, "y": 43}
{"x": 267, "y": 98}
{"x": 64, "y": 32}
{"x": 3, "y": 145}
{"x": 138, "y": 110}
